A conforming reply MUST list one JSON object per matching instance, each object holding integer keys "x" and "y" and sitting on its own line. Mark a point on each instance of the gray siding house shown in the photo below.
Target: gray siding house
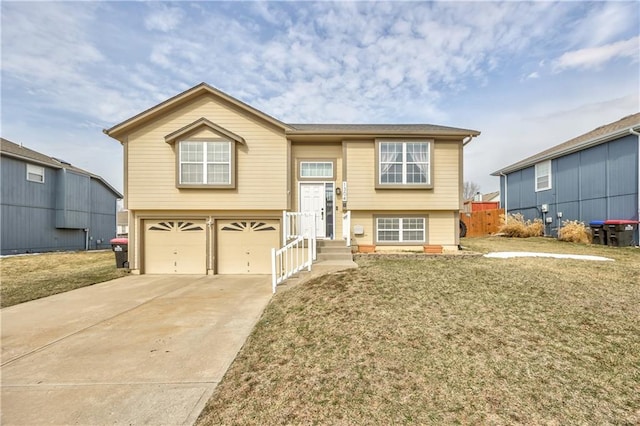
{"x": 50, "y": 205}
{"x": 591, "y": 177}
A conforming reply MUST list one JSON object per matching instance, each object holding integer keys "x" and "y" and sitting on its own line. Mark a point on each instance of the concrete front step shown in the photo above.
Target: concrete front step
{"x": 331, "y": 243}
{"x": 334, "y": 250}
{"x": 333, "y": 256}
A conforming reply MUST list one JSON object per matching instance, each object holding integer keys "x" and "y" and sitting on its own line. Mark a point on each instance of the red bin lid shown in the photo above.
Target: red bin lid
{"x": 620, "y": 222}
{"x": 119, "y": 241}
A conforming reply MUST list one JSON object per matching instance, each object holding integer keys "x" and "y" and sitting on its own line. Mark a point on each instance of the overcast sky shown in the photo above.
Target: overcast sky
{"x": 527, "y": 75}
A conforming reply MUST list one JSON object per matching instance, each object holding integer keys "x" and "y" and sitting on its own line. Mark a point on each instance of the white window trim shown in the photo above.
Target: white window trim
{"x": 538, "y": 188}
{"x": 230, "y": 181}
{"x": 400, "y": 231}
{"x": 32, "y": 169}
{"x": 404, "y": 183}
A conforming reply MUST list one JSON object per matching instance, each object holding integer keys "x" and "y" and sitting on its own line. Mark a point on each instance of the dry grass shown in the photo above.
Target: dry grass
{"x": 514, "y": 225}
{"x": 443, "y": 340}
{"x": 31, "y": 277}
{"x": 575, "y": 232}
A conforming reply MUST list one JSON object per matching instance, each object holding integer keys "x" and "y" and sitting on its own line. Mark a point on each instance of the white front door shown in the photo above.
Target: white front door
{"x": 312, "y": 199}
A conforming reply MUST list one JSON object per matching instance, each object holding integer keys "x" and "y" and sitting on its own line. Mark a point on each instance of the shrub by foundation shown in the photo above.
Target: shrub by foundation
{"x": 514, "y": 225}
{"x": 574, "y": 232}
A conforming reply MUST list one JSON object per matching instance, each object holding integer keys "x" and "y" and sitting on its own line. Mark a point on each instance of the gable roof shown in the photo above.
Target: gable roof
{"x": 595, "y": 137}
{"x": 200, "y": 123}
{"x": 13, "y": 150}
{"x": 490, "y": 196}
{"x": 121, "y": 129}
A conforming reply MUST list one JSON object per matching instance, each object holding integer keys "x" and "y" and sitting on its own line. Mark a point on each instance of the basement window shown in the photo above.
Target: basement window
{"x": 35, "y": 173}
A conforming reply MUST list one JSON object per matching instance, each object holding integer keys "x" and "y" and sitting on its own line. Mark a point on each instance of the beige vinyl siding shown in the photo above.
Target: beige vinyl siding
{"x": 441, "y": 229}
{"x": 362, "y": 195}
{"x": 318, "y": 151}
{"x": 260, "y": 164}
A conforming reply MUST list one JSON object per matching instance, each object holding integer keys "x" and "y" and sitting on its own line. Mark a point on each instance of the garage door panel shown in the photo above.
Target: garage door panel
{"x": 244, "y": 246}
{"x": 175, "y": 247}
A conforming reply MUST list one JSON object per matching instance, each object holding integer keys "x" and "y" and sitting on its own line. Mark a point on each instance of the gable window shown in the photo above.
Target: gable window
{"x": 400, "y": 229}
{"x": 403, "y": 164}
{"x": 35, "y": 173}
{"x": 206, "y": 163}
{"x": 316, "y": 170}
{"x": 543, "y": 175}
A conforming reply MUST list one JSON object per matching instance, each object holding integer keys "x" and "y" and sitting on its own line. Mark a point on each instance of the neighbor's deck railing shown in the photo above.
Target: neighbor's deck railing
{"x": 346, "y": 228}
{"x": 291, "y": 259}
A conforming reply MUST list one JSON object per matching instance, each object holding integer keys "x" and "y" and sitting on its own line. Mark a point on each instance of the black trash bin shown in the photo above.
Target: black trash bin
{"x": 620, "y": 232}
{"x": 120, "y": 247}
{"x": 598, "y": 232}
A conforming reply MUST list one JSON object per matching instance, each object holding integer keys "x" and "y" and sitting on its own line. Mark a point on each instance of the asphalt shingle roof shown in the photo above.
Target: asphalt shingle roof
{"x": 601, "y": 134}
{"x": 12, "y": 149}
{"x": 378, "y": 128}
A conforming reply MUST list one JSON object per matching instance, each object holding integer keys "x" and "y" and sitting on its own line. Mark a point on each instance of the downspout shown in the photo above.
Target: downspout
{"x": 633, "y": 132}
{"x": 86, "y": 239}
{"x": 506, "y": 201}
{"x": 468, "y": 139}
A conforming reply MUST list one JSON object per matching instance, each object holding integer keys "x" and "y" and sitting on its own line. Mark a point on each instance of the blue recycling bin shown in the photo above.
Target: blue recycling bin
{"x": 598, "y": 232}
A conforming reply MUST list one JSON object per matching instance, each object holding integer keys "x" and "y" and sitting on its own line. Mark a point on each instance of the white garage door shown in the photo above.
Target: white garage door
{"x": 244, "y": 246}
{"x": 175, "y": 247}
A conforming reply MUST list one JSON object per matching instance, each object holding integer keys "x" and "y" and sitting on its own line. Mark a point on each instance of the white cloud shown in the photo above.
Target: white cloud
{"x": 163, "y": 18}
{"x": 596, "y": 56}
{"x": 603, "y": 23}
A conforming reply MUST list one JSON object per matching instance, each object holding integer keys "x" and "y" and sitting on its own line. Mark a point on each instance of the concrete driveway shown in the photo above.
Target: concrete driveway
{"x": 137, "y": 350}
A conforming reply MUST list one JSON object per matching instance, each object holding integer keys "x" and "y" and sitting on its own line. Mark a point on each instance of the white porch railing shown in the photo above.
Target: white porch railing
{"x": 299, "y": 224}
{"x": 291, "y": 259}
{"x": 346, "y": 228}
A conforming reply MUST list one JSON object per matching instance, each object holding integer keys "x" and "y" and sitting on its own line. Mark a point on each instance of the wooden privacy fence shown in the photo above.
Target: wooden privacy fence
{"x": 483, "y": 222}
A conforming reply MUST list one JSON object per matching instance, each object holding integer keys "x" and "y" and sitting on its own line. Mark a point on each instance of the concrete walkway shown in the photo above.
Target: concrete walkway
{"x": 137, "y": 350}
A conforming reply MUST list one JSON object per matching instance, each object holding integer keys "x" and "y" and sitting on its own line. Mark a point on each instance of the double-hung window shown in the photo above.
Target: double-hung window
{"x": 400, "y": 230}
{"x": 543, "y": 176}
{"x": 206, "y": 163}
{"x": 404, "y": 163}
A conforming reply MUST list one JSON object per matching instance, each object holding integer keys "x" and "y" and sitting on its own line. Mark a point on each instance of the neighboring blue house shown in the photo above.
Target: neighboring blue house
{"x": 591, "y": 177}
{"x": 50, "y": 205}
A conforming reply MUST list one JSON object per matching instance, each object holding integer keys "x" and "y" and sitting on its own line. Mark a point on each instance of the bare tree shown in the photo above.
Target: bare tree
{"x": 469, "y": 189}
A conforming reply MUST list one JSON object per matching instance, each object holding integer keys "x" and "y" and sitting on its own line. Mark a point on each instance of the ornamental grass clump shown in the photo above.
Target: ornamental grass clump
{"x": 574, "y": 232}
{"x": 514, "y": 225}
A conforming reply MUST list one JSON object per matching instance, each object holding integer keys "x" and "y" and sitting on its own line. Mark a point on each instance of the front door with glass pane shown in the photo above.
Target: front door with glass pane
{"x": 318, "y": 198}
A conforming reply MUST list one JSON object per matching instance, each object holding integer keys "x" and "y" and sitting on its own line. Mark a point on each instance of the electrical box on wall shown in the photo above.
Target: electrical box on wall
{"x": 358, "y": 230}
{"x": 559, "y": 214}
{"x": 544, "y": 208}
{"x": 549, "y": 220}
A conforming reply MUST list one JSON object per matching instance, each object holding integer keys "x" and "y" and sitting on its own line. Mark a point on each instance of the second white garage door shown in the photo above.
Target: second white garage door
{"x": 244, "y": 246}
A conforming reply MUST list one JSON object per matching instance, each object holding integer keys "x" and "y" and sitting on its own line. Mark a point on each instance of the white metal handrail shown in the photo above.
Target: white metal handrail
{"x": 346, "y": 228}
{"x": 299, "y": 224}
{"x": 290, "y": 259}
